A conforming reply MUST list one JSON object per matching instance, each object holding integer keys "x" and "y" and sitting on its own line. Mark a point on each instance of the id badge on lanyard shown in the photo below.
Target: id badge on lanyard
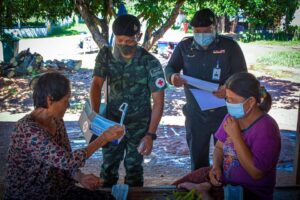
{"x": 216, "y": 72}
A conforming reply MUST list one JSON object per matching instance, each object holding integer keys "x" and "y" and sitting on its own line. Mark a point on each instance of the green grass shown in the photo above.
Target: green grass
{"x": 274, "y": 72}
{"x": 276, "y": 42}
{"x": 73, "y": 30}
{"x": 283, "y": 58}
{"x": 80, "y": 27}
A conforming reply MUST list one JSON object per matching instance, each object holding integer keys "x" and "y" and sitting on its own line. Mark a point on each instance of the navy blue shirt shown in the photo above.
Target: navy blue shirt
{"x": 200, "y": 63}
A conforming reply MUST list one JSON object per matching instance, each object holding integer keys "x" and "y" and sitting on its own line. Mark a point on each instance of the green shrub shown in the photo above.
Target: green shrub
{"x": 291, "y": 33}
{"x": 296, "y": 36}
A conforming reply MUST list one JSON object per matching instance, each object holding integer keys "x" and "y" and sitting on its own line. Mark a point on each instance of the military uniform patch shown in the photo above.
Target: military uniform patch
{"x": 155, "y": 72}
{"x": 160, "y": 82}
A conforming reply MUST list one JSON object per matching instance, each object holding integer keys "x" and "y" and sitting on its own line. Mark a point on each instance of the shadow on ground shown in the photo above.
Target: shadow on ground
{"x": 285, "y": 94}
{"x": 15, "y": 94}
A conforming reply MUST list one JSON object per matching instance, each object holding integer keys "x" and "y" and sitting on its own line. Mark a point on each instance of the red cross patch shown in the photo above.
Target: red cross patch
{"x": 160, "y": 82}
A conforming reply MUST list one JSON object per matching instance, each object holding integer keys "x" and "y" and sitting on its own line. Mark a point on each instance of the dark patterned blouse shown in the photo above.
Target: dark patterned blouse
{"x": 40, "y": 165}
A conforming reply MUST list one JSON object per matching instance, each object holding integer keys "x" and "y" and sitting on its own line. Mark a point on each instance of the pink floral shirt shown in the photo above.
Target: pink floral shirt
{"x": 40, "y": 165}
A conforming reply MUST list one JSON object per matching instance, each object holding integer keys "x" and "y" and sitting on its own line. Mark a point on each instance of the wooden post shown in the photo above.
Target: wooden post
{"x": 297, "y": 153}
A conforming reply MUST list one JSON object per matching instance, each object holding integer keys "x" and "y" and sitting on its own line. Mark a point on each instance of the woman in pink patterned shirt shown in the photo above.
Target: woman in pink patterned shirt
{"x": 41, "y": 164}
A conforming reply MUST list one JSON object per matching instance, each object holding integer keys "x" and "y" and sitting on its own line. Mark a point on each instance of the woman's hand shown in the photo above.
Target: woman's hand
{"x": 114, "y": 133}
{"x": 90, "y": 181}
{"x": 215, "y": 176}
{"x": 232, "y": 128}
{"x": 147, "y": 146}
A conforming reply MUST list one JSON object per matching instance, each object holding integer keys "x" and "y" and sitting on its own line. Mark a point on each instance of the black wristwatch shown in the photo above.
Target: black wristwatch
{"x": 152, "y": 135}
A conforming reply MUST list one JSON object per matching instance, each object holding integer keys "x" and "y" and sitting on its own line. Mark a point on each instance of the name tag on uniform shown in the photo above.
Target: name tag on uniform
{"x": 221, "y": 51}
{"x": 216, "y": 74}
{"x": 155, "y": 72}
{"x": 191, "y": 55}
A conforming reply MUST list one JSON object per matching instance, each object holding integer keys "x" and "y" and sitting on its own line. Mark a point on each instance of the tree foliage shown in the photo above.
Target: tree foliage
{"x": 159, "y": 15}
{"x": 268, "y": 13}
{"x": 12, "y": 11}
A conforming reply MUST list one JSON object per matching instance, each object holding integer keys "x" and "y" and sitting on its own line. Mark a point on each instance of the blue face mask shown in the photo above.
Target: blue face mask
{"x": 204, "y": 39}
{"x": 236, "y": 110}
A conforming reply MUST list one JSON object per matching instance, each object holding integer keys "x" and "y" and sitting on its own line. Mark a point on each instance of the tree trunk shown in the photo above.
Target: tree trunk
{"x": 151, "y": 38}
{"x": 221, "y": 24}
{"x": 92, "y": 22}
{"x": 147, "y": 39}
{"x": 234, "y": 24}
{"x": 101, "y": 37}
{"x": 227, "y": 24}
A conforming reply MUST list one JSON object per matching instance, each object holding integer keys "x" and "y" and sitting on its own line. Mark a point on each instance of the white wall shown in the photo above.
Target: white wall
{"x": 296, "y": 21}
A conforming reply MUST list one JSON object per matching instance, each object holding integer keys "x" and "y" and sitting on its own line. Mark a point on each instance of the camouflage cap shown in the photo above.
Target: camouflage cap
{"x": 203, "y": 18}
{"x": 128, "y": 25}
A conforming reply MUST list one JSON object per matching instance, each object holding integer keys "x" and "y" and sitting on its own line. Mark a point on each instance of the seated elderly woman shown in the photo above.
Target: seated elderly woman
{"x": 41, "y": 164}
{"x": 248, "y": 145}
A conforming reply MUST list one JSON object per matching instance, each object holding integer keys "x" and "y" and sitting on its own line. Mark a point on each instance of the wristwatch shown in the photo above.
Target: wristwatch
{"x": 152, "y": 135}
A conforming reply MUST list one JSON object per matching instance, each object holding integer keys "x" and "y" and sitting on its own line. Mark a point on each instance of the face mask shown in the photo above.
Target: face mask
{"x": 236, "y": 110}
{"x": 126, "y": 49}
{"x": 204, "y": 39}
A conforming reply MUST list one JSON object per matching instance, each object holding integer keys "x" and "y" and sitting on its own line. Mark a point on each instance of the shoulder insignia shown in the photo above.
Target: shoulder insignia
{"x": 160, "y": 82}
{"x": 187, "y": 38}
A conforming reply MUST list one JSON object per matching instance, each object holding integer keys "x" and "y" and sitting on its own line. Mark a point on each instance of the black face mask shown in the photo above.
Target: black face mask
{"x": 126, "y": 49}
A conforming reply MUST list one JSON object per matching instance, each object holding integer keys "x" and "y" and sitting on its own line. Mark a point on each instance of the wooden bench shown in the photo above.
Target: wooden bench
{"x": 167, "y": 192}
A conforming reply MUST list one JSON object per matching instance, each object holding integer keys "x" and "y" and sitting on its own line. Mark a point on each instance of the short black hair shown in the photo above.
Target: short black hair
{"x": 54, "y": 85}
{"x": 203, "y": 18}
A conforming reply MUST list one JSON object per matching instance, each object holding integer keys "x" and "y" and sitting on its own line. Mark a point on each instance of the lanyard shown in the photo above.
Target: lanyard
{"x": 123, "y": 108}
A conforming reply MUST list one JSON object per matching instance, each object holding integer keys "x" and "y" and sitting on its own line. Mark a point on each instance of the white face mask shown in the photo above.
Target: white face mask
{"x": 204, "y": 39}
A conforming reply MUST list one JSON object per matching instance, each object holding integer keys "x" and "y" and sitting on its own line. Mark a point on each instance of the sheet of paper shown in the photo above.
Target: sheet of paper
{"x": 206, "y": 100}
{"x": 200, "y": 84}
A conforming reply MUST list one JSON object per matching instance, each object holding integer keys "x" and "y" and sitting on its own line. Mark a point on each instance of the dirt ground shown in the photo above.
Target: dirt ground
{"x": 170, "y": 157}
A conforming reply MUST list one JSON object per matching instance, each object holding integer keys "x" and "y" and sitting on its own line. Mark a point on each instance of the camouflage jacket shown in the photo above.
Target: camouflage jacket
{"x": 131, "y": 82}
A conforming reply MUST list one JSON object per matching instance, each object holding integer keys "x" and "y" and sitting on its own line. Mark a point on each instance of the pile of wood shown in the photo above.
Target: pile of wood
{"x": 26, "y": 63}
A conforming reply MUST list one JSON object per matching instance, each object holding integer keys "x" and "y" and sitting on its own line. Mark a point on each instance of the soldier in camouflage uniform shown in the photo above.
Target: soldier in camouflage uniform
{"x": 134, "y": 77}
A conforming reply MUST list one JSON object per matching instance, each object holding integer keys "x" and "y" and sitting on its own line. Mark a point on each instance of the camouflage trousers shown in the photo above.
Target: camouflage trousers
{"x": 127, "y": 149}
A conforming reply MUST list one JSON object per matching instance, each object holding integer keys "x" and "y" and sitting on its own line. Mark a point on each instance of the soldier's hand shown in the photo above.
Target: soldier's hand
{"x": 114, "y": 133}
{"x": 220, "y": 93}
{"x": 146, "y": 147}
{"x": 177, "y": 81}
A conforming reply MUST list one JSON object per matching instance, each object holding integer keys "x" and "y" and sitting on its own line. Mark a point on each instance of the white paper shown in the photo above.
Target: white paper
{"x": 200, "y": 84}
{"x": 206, "y": 100}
